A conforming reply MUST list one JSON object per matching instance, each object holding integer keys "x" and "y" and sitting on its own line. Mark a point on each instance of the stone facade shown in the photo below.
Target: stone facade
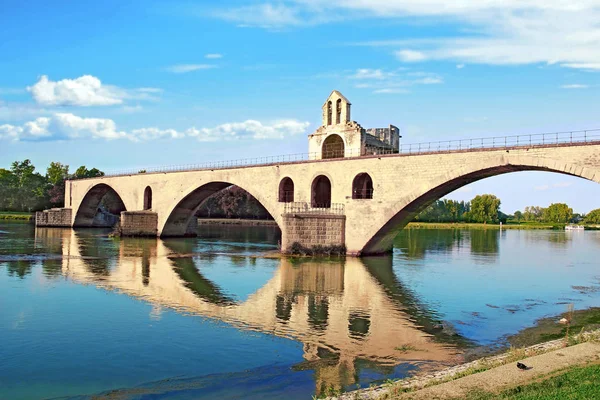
{"x": 55, "y": 217}
{"x": 355, "y": 140}
{"x": 139, "y": 223}
{"x": 313, "y": 230}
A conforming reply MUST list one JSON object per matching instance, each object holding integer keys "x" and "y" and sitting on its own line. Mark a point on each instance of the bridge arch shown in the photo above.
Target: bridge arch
{"x": 385, "y": 229}
{"x": 179, "y": 218}
{"x": 89, "y": 206}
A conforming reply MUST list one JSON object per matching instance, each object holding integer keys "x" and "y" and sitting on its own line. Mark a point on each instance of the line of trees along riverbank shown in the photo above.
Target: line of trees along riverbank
{"x": 23, "y": 189}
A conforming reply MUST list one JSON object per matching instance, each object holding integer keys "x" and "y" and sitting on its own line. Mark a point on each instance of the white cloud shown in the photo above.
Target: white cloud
{"x": 213, "y": 56}
{"x": 86, "y": 90}
{"x": 250, "y": 129}
{"x": 575, "y": 86}
{"x": 410, "y": 55}
{"x": 66, "y": 126}
{"x": 185, "y": 68}
{"x": 542, "y": 187}
{"x": 399, "y": 80}
{"x": 261, "y": 15}
{"x": 389, "y": 91}
{"x": 460, "y": 66}
{"x": 500, "y": 32}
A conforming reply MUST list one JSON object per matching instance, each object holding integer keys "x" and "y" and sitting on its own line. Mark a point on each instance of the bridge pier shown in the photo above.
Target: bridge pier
{"x": 307, "y": 228}
{"x": 139, "y": 223}
{"x": 55, "y": 217}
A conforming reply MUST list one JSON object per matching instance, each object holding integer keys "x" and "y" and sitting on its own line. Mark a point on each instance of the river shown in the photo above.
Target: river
{"x": 217, "y": 317}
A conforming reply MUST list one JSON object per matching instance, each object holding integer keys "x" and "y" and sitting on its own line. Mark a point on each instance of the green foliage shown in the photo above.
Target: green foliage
{"x": 445, "y": 211}
{"x": 484, "y": 208}
{"x": 82, "y": 173}
{"x": 558, "y": 212}
{"x": 22, "y": 189}
{"x": 593, "y": 217}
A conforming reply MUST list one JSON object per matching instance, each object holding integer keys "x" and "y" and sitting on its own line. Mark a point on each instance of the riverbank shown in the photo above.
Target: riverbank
{"x": 468, "y": 225}
{"x": 548, "y": 335}
{"x": 16, "y": 216}
{"x": 493, "y": 377}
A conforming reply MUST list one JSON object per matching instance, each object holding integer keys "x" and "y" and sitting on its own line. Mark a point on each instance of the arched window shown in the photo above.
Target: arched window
{"x": 333, "y": 147}
{"x": 362, "y": 187}
{"x": 286, "y": 190}
{"x": 321, "y": 192}
{"x": 329, "y": 113}
{"x": 147, "y": 198}
{"x": 338, "y": 111}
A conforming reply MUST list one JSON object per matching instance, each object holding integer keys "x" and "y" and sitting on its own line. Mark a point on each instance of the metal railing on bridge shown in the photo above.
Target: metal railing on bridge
{"x": 446, "y": 146}
{"x": 307, "y": 208}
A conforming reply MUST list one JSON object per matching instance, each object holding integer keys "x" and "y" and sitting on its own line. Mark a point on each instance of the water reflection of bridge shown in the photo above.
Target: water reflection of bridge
{"x": 340, "y": 312}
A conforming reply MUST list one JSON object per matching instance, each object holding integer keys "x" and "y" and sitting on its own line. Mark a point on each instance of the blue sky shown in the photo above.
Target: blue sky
{"x": 119, "y": 85}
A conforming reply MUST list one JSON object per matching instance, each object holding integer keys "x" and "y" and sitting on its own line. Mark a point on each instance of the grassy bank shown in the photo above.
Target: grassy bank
{"x": 467, "y": 225}
{"x": 16, "y": 216}
{"x": 574, "y": 383}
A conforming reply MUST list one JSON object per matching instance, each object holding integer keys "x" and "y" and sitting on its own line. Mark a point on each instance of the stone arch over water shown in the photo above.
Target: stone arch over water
{"x": 103, "y": 199}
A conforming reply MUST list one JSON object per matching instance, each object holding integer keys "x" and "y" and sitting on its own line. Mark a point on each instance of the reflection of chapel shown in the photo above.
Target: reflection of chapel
{"x": 339, "y": 136}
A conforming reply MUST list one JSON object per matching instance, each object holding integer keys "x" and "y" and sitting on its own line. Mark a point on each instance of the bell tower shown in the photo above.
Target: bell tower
{"x": 336, "y": 109}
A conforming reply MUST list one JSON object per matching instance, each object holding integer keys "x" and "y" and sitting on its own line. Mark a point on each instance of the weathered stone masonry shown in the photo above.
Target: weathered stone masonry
{"x": 139, "y": 223}
{"x": 312, "y": 230}
{"x": 55, "y": 217}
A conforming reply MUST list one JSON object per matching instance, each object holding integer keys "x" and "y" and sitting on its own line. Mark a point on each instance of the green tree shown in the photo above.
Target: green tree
{"x": 484, "y": 208}
{"x": 28, "y": 187}
{"x": 593, "y": 217}
{"x": 83, "y": 172}
{"x": 518, "y": 216}
{"x": 558, "y": 213}
{"x": 57, "y": 173}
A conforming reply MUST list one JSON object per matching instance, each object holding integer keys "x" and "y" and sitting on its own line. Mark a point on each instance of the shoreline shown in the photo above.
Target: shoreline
{"x": 545, "y": 336}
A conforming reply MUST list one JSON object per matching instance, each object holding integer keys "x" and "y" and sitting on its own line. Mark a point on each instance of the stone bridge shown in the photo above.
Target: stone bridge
{"x": 360, "y": 202}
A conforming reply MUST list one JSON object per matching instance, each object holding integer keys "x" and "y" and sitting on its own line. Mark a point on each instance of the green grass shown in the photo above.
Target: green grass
{"x": 575, "y": 383}
{"x": 16, "y": 216}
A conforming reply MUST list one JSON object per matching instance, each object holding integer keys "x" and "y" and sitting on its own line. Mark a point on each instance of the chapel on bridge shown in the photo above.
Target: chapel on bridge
{"x": 339, "y": 136}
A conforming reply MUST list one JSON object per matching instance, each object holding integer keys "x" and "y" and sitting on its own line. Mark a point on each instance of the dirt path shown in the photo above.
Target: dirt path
{"x": 509, "y": 375}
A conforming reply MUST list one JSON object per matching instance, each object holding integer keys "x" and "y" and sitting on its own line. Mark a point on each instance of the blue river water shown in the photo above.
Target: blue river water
{"x": 82, "y": 314}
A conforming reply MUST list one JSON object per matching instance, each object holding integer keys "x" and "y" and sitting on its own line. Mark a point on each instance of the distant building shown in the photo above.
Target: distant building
{"x": 339, "y": 136}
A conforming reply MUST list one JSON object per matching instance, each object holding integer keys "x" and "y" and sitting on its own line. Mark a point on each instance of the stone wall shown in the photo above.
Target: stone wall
{"x": 139, "y": 223}
{"x": 312, "y": 230}
{"x": 55, "y": 217}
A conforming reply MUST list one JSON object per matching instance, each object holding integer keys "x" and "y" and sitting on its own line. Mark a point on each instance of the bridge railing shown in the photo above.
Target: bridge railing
{"x": 497, "y": 142}
{"x": 307, "y": 208}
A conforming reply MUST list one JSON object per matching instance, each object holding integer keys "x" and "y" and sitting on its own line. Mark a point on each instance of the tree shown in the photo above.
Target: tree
{"x": 484, "y": 208}
{"x": 83, "y": 172}
{"x": 533, "y": 213}
{"x": 28, "y": 187}
{"x": 558, "y": 213}
{"x": 56, "y": 174}
{"x": 593, "y": 217}
{"x": 518, "y": 215}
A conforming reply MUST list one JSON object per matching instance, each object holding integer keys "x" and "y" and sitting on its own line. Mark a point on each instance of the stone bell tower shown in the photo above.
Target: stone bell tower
{"x": 336, "y": 109}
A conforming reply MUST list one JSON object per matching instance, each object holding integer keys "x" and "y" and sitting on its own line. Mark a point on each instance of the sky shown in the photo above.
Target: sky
{"x": 130, "y": 85}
